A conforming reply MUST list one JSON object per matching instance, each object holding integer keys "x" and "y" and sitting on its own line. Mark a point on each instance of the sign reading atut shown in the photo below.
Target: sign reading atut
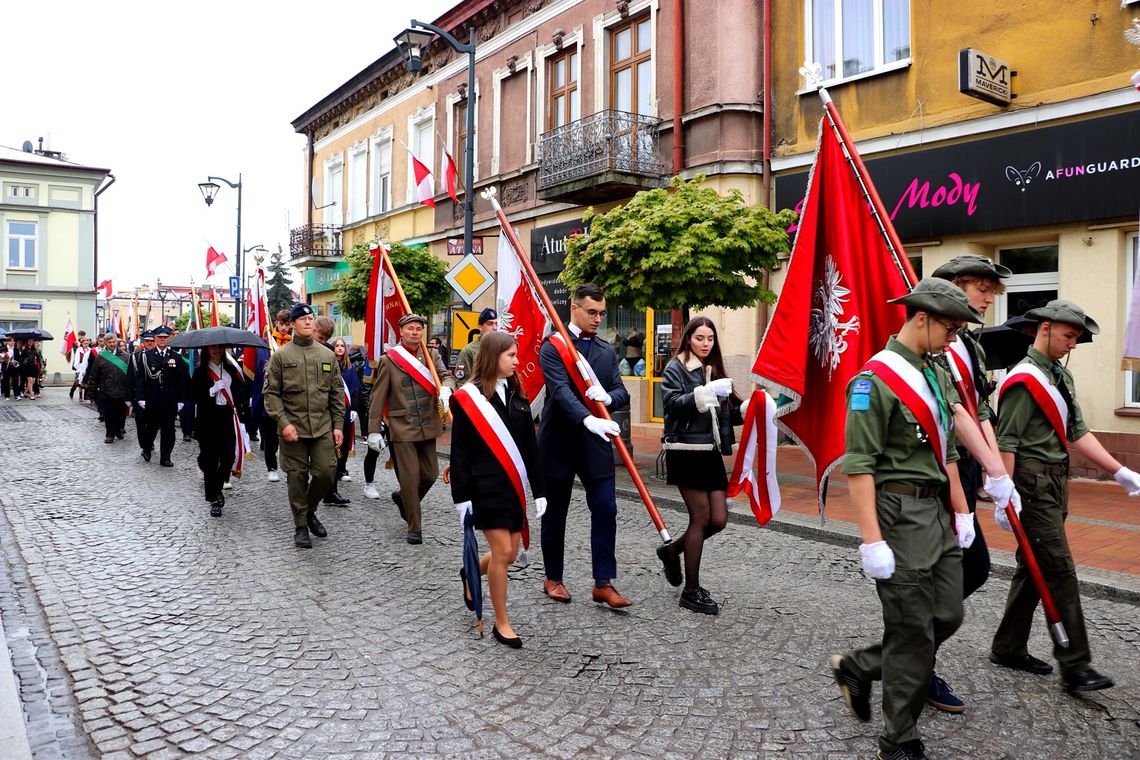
{"x": 1080, "y": 171}
{"x": 984, "y": 77}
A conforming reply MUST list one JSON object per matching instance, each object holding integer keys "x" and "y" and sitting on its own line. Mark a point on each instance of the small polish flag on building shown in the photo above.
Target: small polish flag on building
{"x": 105, "y": 287}
{"x": 424, "y": 181}
{"x": 213, "y": 261}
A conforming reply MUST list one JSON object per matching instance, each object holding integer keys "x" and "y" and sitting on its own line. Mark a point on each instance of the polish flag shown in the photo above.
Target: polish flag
{"x": 382, "y": 318}
{"x": 521, "y": 315}
{"x": 450, "y": 172}
{"x": 425, "y": 186}
{"x": 69, "y": 339}
{"x": 258, "y": 324}
{"x": 213, "y": 261}
{"x": 105, "y": 286}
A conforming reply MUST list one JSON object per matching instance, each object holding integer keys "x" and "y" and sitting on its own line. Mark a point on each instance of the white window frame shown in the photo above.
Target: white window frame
{"x": 380, "y": 199}
{"x": 880, "y": 65}
{"x": 357, "y": 206}
{"x": 1019, "y": 283}
{"x": 34, "y": 239}
{"x": 423, "y": 115}
{"x": 334, "y": 192}
{"x": 1131, "y": 253}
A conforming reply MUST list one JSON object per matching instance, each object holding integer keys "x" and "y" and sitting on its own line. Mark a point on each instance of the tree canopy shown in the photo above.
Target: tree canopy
{"x": 422, "y": 276}
{"x": 685, "y": 246}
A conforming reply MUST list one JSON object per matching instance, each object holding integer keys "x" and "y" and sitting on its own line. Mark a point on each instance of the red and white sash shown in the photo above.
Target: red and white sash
{"x": 579, "y": 370}
{"x": 1044, "y": 393}
{"x": 241, "y": 437}
{"x": 348, "y": 416}
{"x": 408, "y": 362}
{"x": 959, "y": 356}
{"x": 759, "y": 435}
{"x": 910, "y": 385}
{"x": 498, "y": 438}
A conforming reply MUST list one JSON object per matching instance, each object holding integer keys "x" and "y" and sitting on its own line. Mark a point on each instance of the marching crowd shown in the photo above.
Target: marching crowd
{"x": 21, "y": 369}
{"x": 925, "y": 431}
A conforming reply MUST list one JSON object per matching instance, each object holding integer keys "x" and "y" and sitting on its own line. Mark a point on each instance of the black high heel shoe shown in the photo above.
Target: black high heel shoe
{"x": 514, "y": 643}
{"x": 467, "y": 600}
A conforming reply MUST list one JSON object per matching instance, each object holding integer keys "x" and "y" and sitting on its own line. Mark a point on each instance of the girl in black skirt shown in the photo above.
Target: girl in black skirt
{"x": 700, "y": 410}
{"x": 479, "y": 481}
{"x": 220, "y": 397}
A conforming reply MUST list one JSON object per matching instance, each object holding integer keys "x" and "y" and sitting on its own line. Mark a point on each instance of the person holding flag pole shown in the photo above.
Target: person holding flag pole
{"x": 385, "y": 308}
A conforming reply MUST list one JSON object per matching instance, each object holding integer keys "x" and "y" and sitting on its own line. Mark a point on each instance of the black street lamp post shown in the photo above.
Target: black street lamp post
{"x": 209, "y": 189}
{"x": 413, "y": 43}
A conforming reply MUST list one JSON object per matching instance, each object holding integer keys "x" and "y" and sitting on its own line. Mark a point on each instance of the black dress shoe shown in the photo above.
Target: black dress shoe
{"x": 316, "y": 528}
{"x": 1026, "y": 662}
{"x": 146, "y": 454}
{"x": 336, "y": 500}
{"x": 415, "y": 537}
{"x": 215, "y": 509}
{"x": 669, "y": 557}
{"x": 301, "y": 538}
{"x": 467, "y": 600}
{"x": 1086, "y": 680}
{"x": 514, "y": 642}
{"x": 120, "y": 434}
{"x": 109, "y": 439}
{"x": 166, "y": 463}
{"x": 698, "y": 601}
{"x": 399, "y": 505}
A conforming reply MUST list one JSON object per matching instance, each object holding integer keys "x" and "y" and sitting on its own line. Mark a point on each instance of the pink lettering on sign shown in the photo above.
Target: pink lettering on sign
{"x": 799, "y": 209}
{"x": 954, "y": 192}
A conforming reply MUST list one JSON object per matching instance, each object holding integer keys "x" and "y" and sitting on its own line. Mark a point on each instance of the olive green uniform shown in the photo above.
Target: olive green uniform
{"x": 922, "y": 600}
{"x": 1041, "y": 475}
{"x": 466, "y": 361}
{"x": 303, "y": 389}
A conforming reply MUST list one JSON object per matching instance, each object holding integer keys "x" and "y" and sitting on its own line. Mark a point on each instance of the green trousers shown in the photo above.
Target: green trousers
{"x": 310, "y": 465}
{"x": 1044, "y": 493}
{"x": 922, "y": 607}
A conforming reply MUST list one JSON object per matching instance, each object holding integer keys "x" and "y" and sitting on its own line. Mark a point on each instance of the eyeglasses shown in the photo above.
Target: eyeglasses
{"x": 951, "y": 330}
{"x": 593, "y": 313}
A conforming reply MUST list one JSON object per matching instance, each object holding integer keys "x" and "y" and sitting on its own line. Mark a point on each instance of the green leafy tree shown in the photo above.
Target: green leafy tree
{"x": 184, "y": 319}
{"x": 422, "y": 276}
{"x": 682, "y": 247}
{"x": 278, "y": 293}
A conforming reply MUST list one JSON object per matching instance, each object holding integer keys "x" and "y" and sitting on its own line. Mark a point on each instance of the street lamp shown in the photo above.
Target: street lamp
{"x": 210, "y": 189}
{"x": 413, "y": 43}
{"x": 162, "y": 296}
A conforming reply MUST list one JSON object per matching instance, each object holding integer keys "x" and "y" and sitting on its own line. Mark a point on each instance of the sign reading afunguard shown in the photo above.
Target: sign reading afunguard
{"x": 984, "y": 77}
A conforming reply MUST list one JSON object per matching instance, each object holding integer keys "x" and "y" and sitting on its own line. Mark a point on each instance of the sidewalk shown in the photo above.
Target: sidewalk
{"x": 1103, "y": 525}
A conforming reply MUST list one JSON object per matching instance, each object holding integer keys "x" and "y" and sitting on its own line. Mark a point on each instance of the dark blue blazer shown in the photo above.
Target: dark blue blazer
{"x": 565, "y": 446}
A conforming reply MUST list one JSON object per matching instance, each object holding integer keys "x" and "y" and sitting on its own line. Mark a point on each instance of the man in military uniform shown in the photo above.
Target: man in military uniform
{"x": 134, "y": 372}
{"x": 303, "y": 394}
{"x": 1038, "y": 419}
{"x": 403, "y": 388}
{"x": 161, "y": 389}
{"x": 488, "y": 322}
{"x": 107, "y": 374}
{"x": 900, "y": 461}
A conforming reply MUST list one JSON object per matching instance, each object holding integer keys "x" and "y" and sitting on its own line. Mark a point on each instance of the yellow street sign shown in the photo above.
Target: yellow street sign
{"x": 464, "y": 328}
{"x": 469, "y": 278}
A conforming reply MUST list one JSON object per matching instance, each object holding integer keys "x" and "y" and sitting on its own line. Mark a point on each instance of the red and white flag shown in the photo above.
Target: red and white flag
{"x": 105, "y": 286}
{"x": 424, "y": 181}
{"x": 213, "y": 261}
{"x": 215, "y": 321}
{"x": 69, "y": 340}
{"x": 521, "y": 315}
{"x": 450, "y": 172}
{"x": 832, "y": 314}
{"x": 258, "y": 323}
{"x": 755, "y": 469}
{"x": 382, "y": 318}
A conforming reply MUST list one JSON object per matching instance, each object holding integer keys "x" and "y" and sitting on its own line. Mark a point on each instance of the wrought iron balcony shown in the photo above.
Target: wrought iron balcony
{"x": 314, "y": 244}
{"x": 605, "y": 156}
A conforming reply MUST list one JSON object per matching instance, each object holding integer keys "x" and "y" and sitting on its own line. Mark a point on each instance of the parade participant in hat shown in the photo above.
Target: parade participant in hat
{"x": 221, "y": 405}
{"x": 404, "y": 391}
{"x": 574, "y": 443}
{"x": 964, "y": 359}
{"x": 488, "y": 322}
{"x": 901, "y": 458}
{"x": 107, "y": 375}
{"x": 494, "y": 459}
{"x": 161, "y": 389}
{"x": 303, "y": 394}
{"x": 134, "y": 372}
{"x": 1038, "y": 420}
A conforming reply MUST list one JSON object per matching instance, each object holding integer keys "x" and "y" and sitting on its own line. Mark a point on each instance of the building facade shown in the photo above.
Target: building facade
{"x": 47, "y": 222}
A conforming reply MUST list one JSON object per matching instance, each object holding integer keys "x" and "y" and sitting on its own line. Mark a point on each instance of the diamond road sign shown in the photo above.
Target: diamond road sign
{"x": 469, "y": 278}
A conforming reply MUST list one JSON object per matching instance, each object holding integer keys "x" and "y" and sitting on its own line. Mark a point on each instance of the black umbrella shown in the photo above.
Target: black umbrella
{"x": 33, "y": 334}
{"x": 471, "y": 572}
{"x": 217, "y": 336}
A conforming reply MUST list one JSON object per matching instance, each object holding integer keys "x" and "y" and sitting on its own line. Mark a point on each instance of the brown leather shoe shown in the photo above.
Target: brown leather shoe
{"x": 609, "y": 595}
{"x": 556, "y": 591}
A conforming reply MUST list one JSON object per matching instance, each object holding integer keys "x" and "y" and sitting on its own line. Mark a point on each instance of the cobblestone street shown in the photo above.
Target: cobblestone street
{"x": 140, "y": 626}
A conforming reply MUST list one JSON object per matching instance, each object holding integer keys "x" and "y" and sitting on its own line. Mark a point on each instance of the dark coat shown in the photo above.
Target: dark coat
{"x": 686, "y": 426}
{"x": 108, "y": 380}
{"x": 566, "y": 447}
{"x": 161, "y": 380}
{"x": 476, "y": 474}
{"x": 211, "y": 421}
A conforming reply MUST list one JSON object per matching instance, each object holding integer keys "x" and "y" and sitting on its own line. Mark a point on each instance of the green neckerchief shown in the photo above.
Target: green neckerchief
{"x": 932, "y": 381}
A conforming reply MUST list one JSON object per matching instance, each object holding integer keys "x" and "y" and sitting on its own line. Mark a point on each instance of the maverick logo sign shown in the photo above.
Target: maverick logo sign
{"x": 984, "y": 77}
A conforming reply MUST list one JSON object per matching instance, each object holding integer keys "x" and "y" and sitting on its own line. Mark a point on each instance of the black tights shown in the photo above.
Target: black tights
{"x": 708, "y": 514}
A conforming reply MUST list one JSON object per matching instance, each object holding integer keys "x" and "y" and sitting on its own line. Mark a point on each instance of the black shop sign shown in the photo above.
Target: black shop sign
{"x": 1081, "y": 171}
{"x": 548, "y": 255}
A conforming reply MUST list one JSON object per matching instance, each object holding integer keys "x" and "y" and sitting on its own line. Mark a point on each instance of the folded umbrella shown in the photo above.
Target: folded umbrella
{"x": 217, "y": 336}
{"x": 471, "y": 568}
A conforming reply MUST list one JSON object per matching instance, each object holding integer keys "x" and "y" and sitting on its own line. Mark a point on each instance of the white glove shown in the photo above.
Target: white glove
{"x": 444, "y": 396}
{"x": 142, "y": 405}
{"x": 464, "y": 509}
{"x": 878, "y": 560}
{"x": 216, "y": 388}
{"x": 598, "y": 393}
{"x": 744, "y": 408}
{"x": 721, "y": 388}
{"x": 602, "y": 428}
{"x": 353, "y": 417}
{"x": 1000, "y": 514}
{"x": 704, "y": 398}
{"x": 180, "y": 405}
{"x": 540, "y": 506}
{"x": 1128, "y": 480}
{"x": 964, "y": 526}
{"x": 998, "y": 489}
{"x": 375, "y": 441}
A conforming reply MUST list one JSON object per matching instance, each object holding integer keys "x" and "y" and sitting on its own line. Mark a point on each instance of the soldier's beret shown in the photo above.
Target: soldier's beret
{"x": 940, "y": 297}
{"x": 972, "y": 265}
{"x": 487, "y": 315}
{"x": 412, "y": 318}
{"x": 300, "y": 310}
{"x": 1065, "y": 312}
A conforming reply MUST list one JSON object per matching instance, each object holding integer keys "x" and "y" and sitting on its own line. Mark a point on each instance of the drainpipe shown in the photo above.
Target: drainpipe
{"x": 678, "y": 129}
{"x": 766, "y": 157}
{"x": 95, "y": 251}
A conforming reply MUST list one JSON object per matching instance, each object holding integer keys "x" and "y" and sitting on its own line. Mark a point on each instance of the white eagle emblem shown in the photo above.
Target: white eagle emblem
{"x": 827, "y": 335}
{"x": 506, "y": 318}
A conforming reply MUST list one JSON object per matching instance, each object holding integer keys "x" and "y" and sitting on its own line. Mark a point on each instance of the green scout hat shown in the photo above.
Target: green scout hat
{"x": 940, "y": 297}
{"x": 1065, "y": 312}
{"x": 971, "y": 265}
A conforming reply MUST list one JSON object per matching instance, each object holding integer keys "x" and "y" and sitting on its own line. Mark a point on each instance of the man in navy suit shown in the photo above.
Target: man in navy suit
{"x": 574, "y": 442}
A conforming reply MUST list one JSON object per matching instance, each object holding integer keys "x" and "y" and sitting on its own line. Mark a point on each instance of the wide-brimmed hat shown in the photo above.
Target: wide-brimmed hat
{"x": 973, "y": 266}
{"x": 941, "y": 297}
{"x": 412, "y": 318}
{"x": 1065, "y": 312}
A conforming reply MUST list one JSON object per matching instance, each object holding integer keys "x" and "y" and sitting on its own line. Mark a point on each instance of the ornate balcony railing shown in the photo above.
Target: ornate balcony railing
{"x": 315, "y": 240}
{"x": 607, "y": 141}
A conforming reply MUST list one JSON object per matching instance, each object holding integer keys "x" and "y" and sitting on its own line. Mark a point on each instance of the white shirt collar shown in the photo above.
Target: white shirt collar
{"x": 575, "y": 331}
{"x": 501, "y": 389}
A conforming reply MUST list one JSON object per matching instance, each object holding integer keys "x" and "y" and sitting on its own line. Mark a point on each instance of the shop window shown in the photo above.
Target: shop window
{"x": 1132, "y": 266}
{"x": 850, "y": 38}
{"x": 1034, "y": 280}
{"x": 22, "y": 245}
{"x": 625, "y": 331}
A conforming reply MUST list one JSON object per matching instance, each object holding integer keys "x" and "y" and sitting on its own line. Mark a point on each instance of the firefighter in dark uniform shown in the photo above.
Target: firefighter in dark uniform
{"x": 134, "y": 371}
{"x": 162, "y": 391}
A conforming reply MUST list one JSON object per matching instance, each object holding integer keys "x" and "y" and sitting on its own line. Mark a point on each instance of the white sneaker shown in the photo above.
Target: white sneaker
{"x": 370, "y": 492}
{"x": 227, "y": 486}
{"x": 272, "y": 476}
{"x": 346, "y": 478}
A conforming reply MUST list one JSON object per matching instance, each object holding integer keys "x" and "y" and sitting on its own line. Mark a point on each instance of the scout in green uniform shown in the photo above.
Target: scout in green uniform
{"x": 899, "y": 417}
{"x": 488, "y": 322}
{"x": 1032, "y": 449}
{"x": 303, "y": 393}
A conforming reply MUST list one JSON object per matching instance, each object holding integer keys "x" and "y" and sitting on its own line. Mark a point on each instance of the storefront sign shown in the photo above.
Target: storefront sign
{"x": 321, "y": 279}
{"x": 984, "y": 77}
{"x": 455, "y": 246}
{"x": 548, "y": 245}
{"x": 1082, "y": 171}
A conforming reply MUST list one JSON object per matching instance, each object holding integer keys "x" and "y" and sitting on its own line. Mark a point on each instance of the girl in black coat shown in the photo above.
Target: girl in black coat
{"x": 216, "y": 402}
{"x": 479, "y": 483}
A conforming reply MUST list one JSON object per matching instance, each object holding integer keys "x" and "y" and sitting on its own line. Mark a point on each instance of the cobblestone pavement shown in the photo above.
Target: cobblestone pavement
{"x": 182, "y": 635}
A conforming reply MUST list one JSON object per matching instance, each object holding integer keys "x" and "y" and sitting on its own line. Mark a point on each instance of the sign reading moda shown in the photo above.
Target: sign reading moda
{"x": 1078, "y": 171}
